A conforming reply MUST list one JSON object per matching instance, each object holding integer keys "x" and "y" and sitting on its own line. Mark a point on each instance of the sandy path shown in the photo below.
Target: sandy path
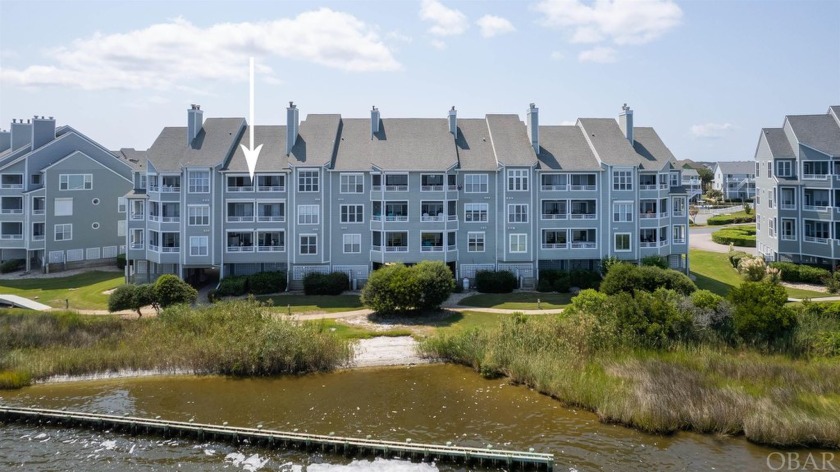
{"x": 387, "y": 351}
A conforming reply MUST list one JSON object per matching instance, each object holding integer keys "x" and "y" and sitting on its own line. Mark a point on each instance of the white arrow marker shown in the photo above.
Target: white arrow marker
{"x": 251, "y": 155}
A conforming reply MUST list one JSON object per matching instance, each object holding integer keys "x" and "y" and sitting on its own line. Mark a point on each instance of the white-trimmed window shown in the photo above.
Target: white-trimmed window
{"x": 63, "y": 207}
{"x": 352, "y": 183}
{"x": 308, "y": 181}
{"x": 517, "y": 180}
{"x": 475, "y": 241}
{"x": 199, "y": 181}
{"x": 137, "y": 239}
{"x": 198, "y": 215}
{"x": 64, "y": 232}
{"x": 679, "y": 234}
{"x": 475, "y": 213}
{"x": 784, "y": 168}
{"x": 352, "y": 243}
{"x": 788, "y": 229}
{"x": 771, "y": 225}
{"x": 475, "y": 183}
{"x": 122, "y": 203}
{"x": 199, "y": 246}
{"x": 622, "y": 242}
{"x": 308, "y": 244}
{"x": 75, "y": 182}
{"x": 518, "y": 242}
{"x": 622, "y": 180}
{"x": 309, "y": 214}
{"x": 675, "y": 179}
{"x": 518, "y": 213}
{"x": 352, "y": 213}
{"x": 622, "y": 212}
{"x": 141, "y": 183}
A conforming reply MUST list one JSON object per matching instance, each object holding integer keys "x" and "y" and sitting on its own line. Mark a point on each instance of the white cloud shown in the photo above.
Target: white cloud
{"x": 620, "y": 21}
{"x": 398, "y": 36}
{"x": 178, "y": 54}
{"x": 445, "y": 21}
{"x": 602, "y": 55}
{"x": 494, "y": 25}
{"x": 557, "y": 55}
{"x": 711, "y": 130}
{"x": 438, "y": 44}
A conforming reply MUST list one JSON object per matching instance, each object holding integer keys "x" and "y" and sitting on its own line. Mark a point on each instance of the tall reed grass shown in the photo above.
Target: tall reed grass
{"x": 239, "y": 337}
{"x": 705, "y": 388}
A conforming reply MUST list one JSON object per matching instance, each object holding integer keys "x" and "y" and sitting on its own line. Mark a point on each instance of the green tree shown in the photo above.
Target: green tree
{"x": 132, "y": 297}
{"x": 435, "y": 282}
{"x": 171, "y": 290}
{"x": 706, "y": 177}
{"x": 760, "y": 313}
{"x": 397, "y": 288}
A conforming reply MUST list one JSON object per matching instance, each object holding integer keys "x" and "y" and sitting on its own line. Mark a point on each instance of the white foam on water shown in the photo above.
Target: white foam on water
{"x": 109, "y": 444}
{"x": 41, "y": 436}
{"x": 251, "y": 463}
{"x": 377, "y": 465}
{"x": 210, "y": 452}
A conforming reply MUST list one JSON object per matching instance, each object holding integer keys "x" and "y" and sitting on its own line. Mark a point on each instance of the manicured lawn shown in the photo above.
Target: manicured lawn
{"x": 518, "y": 300}
{"x": 347, "y": 331}
{"x": 716, "y": 274}
{"x": 83, "y": 290}
{"x": 310, "y": 303}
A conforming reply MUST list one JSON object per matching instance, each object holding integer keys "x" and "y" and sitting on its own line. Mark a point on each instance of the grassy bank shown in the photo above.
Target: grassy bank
{"x": 231, "y": 338}
{"x": 713, "y": 272}
{"x": 84, "y": 291}
{"x": 518, "y": 300}
{"x": 770, "y": 399}
{"x": 313, "y": 303}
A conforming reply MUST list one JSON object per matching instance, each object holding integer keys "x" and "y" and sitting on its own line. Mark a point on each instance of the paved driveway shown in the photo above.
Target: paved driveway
{"x": 701, "y": 238}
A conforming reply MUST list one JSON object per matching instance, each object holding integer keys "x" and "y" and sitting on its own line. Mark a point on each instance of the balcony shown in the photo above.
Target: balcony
{"x": 137, "y": 245}
{"x": 430, "y": 248}
{"x": 154, "y": 248}
{"x": 11, "y": 211}
{"x": 583, "y": 216}
{"x": 271, "y": 183}
{"x": 679, "y": 213}
{"x": 242, "y": 248}
{"x": 240, "y": 188}
{"x": 137, "y": 216}
{"x": 389, "y": 218}
{"x": 154, "y": 217}
{"x": 11, "y": 236}
{"x": 648, "y": 186}
{"x": 275, "y": 248}
{"x": 427, "y": 217}
{"x": 819, "y": 208}
{"x": 583, "y": 187}
{"x": 164, "y": 189}
{"x": 814, "y": 239}
{"x": 555, "y": 216}
{"x": 584, "y": 245}
{"x": 553, "y": 187}
{"x": 679, "y": 240}
{"x": 652, "y": 244}
{"x": 38, "y": 237}
{"x": 11, "y": 182}
{"x": 40, "y": 211}
{"x": 396, "y": 248}
{"x": 555, "y": 245}
{"x": 271, "y": 218}
{"x": 816, "y": 176}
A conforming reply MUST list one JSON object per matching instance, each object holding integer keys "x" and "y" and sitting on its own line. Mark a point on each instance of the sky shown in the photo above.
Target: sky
{"x": 707, "y": 75}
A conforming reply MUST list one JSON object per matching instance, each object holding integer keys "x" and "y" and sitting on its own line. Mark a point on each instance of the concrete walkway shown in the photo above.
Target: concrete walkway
{"x": 22, "y": 302}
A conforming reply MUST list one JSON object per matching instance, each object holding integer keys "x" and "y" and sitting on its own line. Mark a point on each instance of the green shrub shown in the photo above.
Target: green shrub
{"x": 11, "y": 265}
{"x": 488, "y": 281}
{"x": 630, "y": 278}
{"x": 121, "y": 261}
{"x": 733, "y": 218}
{"x": 736, "y": 256}
{"x": 655, "y": 261}
{"x": 607, "y": 262}
{"x": 132, "y": 297}
{"x": 397, "y": 288}
{"x": 545, "y": 285}
{"x": 434, "y": 281}
{"x": 334, "y": 283}
{"x": 760, "y": 314}
{"x": 171, "y": 290}
{"x": 12, "y": 379}
{"x": 263, "y": 283}
{"x": 738, "y": 236}
{"x": 232, "y": 286}
{"x": 801, "y": 273}
{"x": 584, "y": 279}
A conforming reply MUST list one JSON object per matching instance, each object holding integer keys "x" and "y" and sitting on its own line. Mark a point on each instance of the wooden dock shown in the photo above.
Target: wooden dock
{"x": 349, "y": 447}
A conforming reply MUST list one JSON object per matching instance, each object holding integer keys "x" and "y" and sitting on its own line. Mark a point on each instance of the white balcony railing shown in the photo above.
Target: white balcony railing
{"x": 438, "y": 217}
{"x": 11, "y": 236}
{"x": 11, "y": 186}
{"x": 679, "y": 240}
{"x": 154, "y": 217}
{"x": 584, "y": 245}
{"x": 240, "y": 249}
{"x": 137, "y": 245}
{"x": 170, "y": 219}
{"x": 649, "y": 244}
{"x": 390, "y": 218}
{"x": 164, "y": 189}
{"x": 154, "y": 248}
{"x": 241, "y": 188}
{"x": 271, "y": 188}
{"x": 431, "y": 248}
{"x": 582, "y": 187}
{"x": 679, "y": 213}
{"x": 271, "y": 248}
{"x": 648, "y": 215}
{"x": 267, "y": 218}
{"x": 452, "y": 247}
{"x": 39, "y": 212}
{"x": 37, "y": 237}
{"x": 816, "y": 176}
{"x": 12, "y": 211}
{"x": 170, "y": 249}
{"x": 431, "y": 188}
{"x": 788, "y": 206}
{"x": 555, "y": 216}
{"x": 240, "y": 219}
{"x": 814, "y": 239}
{"x": 648, "y": 187}
{"x": 584, "y": 216}
{"x": 396, "y": 248}
{"x": 555, "y": 245}
{"x": 452, "y": 217}
{"x": 137, "y": 216}
{"x": 819, "y": 208}
{"x": 553, "y": 188}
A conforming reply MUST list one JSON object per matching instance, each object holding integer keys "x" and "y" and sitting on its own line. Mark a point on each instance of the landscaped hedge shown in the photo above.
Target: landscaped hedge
{"x": 736, "y": 256}
{"x": 732, "y": 218}
{"x": 552, "y": 280}
{"x": 801, "y": 273}
{"x": 260, "y": 283}
{"x": 334, "y": 283}
{"x": 739, "y": 236}
{"x": 630, "y": 278}
{"x": 397, "y": 288}
{"x": 488, "y": 281}
{"x": 11, "y": 265}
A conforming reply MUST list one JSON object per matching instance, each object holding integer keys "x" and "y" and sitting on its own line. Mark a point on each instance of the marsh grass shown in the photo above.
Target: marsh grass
{"x": 232, "y": 338}
{"x": 771, "y": 399}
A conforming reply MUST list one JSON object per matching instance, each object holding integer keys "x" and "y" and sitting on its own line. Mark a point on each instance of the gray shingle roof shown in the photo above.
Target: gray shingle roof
{"x": 609, "y": 143}
{"x": 475, "y": 151}
{"x": 736, "y": 167}
{"x": 401, "y": 144}
{"x": 134, "y": 158}
{"x": 654, "y": 154}
{"x": 272, "y": 155}
{"x": 170, "y": 151}
{"x": 316, "y": 142}
{"x": 778, "y": 142}
{"x": 691, "y": 172}
{"x": 820, "y": 132}
{"x": 565, "y": 148}
{"x": 510, "y": 140}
